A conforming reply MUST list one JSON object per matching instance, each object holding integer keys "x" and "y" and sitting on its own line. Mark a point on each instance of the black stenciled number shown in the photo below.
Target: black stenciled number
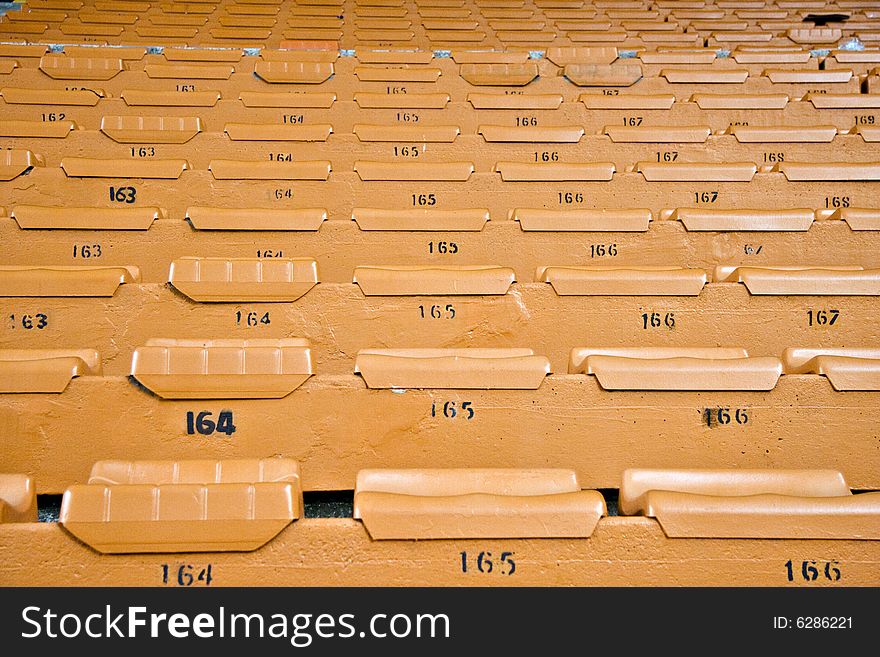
{"x": 603, "y": 250}
{"x": 568, "y": 198}
{"x": 658, "y": 320}
{"x": 812, "y": 570}
{"x": 252, "y": 318}
{"x": 87, "y": 251}
{"x": 823, "y": 317}
{"x": 837, "y": 201}
{"x": 406, "y": 151}
{"x": 449, "y": 409}
{"x": 437, "y": 312}
{"x": 486, "y": 563}
{"x": 186, "y": 574}
{"x": 443, "y": 247}
{"x": 123, "y": 194}
{"x": 29, "y": 321}
{"x": 204, "y": 424}
{"x": 724, "y": 416}
{"x": 424, "y": 199}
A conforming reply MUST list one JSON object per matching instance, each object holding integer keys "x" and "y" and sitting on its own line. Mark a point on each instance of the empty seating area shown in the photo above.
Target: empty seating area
{"x": 587, "y": 291}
